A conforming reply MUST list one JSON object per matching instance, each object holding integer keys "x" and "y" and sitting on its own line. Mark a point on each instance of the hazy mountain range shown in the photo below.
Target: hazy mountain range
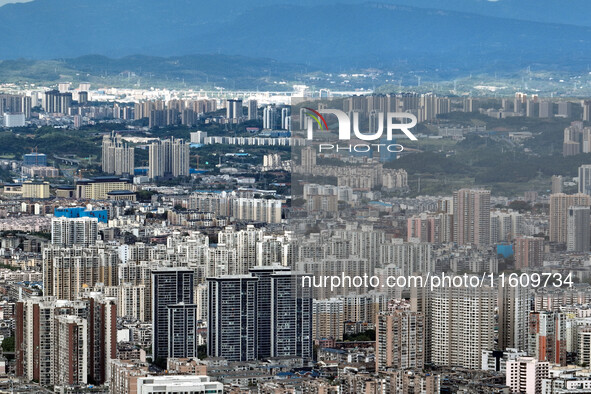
{"x": 455, "y": 35}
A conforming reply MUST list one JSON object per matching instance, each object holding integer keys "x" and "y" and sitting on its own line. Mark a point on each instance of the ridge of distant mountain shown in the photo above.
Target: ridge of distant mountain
{"x": 567, "y": 12}
{"x": 151, "y": 71}
{"x": 330, "y": 36}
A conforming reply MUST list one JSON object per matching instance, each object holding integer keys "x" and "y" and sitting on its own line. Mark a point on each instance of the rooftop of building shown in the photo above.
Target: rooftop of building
{"x": 120, "y": 192}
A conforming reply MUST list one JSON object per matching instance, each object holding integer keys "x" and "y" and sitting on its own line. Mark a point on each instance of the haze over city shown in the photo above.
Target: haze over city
{"x": 262, "y": 197}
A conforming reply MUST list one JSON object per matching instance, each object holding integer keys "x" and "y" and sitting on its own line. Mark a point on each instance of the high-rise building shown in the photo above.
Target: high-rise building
{"x": 530, "y": 108}
{"x": 234, "y": 112}
{"x": 170, "y": 286}
{"x": 198, "y": 137}
{"x": 328, "y": 319}
{"x": 35, "y": 159}
{"x": 67, "y": 270}
{"x": 471, "y": 216}
{"x": 364, "y": 307}
{"x": 117, "y": 156}
{"x": 168, "y": 158}
{"x": 308, "y": 159}
{"x": 556, "y": 184}
{"x": 400, "y": 340}
{"x": 189, "y": 117}
{"x": 529, "y": 252}
{"x": 270, "y": 117}
{"x": 257, "y": 209}
{"x": 252, "y": 110}
{"x": 584, "y": 346}
{"x": 547, "y": 336}
{"x": 102, "y": 335}
{"x": 291, "y": 316}
{"x": 182, "y": 330}
{"x": 132, "y": 301}
{"x": 559, "y": 204}
{"x": 82, "y": 97}
{"x": 586, "y": 105}
{"x": 578, "y": 234}
{"x": 514, "y": 308}
{"x": 586, "y": 143}
{"x": 410, "y": 257}
{"x": 565, "y": 109}
{"x": 585, "y": 179}
{"x": 264, "y": 273}
{"x": 469, "y": 105}
{"x": 286, "y": 118}
{"x": 157, "y": 118}
{"x": 74, "y": 231}
{"x": 71, "y": 351}
{"x": 232, "y": 320}
{"x": 546, "y": 109}
{"x": 434, "y": 228}
{"x": 15, "y": 104}
{"x": 462, "y": 321}
{"x": 56, "y": 102}
{"x": 35, "y": 336}
{"x": 505, "y": 225}
{"x": 525, "y": 374}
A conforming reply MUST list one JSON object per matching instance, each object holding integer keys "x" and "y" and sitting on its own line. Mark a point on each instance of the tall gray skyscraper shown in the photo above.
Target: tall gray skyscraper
{"x": 231, "y": 319}
{"x": 308, "y": 159}
{"x": 168, "y": 158}
{"x": 118, "y": 157}
{"x": 565, "y": 108}
{"x": 546, "y": 109}
{"x": 170, "y": 288}
{"x": 234, "y": 112}
{"x": 585, "y": 179}
{"x": 182, "y": 330}
{"x": 56, "y": 102}
{"x": 269, "y": 305}
{"x": 270, "y": 115}
{"x": 291, "y": 316}
{"x": 252, "y": 109}
{"x": 263, "y": 273}
{"x": 577, "y": 232}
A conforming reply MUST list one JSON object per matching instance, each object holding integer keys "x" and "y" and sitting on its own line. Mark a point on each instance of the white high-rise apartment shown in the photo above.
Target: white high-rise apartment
{"x": 117, "y": 157}
{"x": 525, "y": 374}
{"x": 471, "y": 216}
{"x": 168, "y": 158}
{"x": 74, "y": 231}
{"x": 462, "y": 325}
{"x": 514, "y": 305}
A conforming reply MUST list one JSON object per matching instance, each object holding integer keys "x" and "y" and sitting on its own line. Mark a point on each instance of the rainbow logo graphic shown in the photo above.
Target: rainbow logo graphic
{"x": 317, "y": 117}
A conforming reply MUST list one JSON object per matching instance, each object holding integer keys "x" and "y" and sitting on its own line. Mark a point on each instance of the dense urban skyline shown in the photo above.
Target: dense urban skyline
{"x": 268, "y": 197}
